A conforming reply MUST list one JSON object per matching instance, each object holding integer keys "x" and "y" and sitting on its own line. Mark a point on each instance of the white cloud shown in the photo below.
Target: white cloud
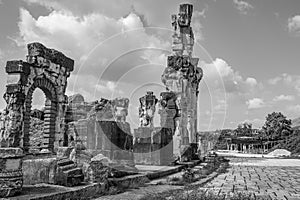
{"x": 112, "y": 9}
{"x": 1, "y": 54}
{"x": 284, "y": 98}
{"x": 292, "y": 81}
{"x": 256, "y": 123}
{"x": 219, "y": 73}
{"x": 77, "y": 35}
{"x": 154, "y": 13}
{"x": 251, "y": 81}
{"x": 221, "y": 107}
{"x": 255, "y": 103}
{"x": 294, "y": 110}
{"x": 197, "y": 26}
{"x": 294, "y": 25}
{"x": 242, "y": 6}
{"x": 107, "y": 87}
{"x": 73, "y": 32}
{"x": 274, "y": 81}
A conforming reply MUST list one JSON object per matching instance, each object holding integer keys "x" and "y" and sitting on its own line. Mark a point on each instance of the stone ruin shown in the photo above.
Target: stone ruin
{"x": 147, "y": 109}
{"x": 177, "y": 106}
{"x": 78, "y": 136}
{"x": 182, "y": 77}
{"x": 48, "y": 70}
{"x": 101, "y": 127}
{"x": 152, "y": 145}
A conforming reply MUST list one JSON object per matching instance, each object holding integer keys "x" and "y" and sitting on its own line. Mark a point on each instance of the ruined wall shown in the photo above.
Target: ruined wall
{"x": 101, "y": 127}
{"x": 48, "y": 70}
{"x": 153, "y": 145}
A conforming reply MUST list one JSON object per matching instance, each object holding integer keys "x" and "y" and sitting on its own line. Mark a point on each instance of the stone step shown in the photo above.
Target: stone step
{"x": 64, "y": 161}
{"x": 68, "y": 167}
{"x": 73, "y": 172}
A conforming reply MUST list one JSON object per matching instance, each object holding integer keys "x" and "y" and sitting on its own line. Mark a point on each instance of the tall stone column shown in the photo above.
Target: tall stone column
{"x": 182, "y": 77}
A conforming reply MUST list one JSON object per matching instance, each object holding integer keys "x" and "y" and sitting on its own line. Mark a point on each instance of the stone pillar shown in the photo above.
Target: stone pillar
{"x": 168, "y": 112}
{"x": 182, "y": 77}
{"x": 147, "y": 109}
{"x": 11, "y": 176}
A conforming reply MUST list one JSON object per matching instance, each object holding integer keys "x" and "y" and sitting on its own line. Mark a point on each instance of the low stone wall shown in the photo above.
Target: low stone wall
{"x": 153, "y": 146}
{"x": 110, "y": 138}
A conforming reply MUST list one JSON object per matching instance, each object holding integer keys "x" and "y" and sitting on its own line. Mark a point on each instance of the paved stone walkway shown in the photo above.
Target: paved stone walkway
{"x": 263, "y": 178}
{"x": 268, "y": 179}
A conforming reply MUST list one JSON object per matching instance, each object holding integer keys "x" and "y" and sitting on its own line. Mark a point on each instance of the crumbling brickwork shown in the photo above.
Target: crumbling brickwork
{"x": 48, "y": 70}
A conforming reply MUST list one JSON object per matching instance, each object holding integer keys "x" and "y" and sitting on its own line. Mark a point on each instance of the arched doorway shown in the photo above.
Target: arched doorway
{"x": 50, "y": 114}
{"x": 44, "y": 68}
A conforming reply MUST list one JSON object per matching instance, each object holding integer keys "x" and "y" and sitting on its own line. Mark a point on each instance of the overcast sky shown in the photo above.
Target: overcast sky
{"x": 249, "y": 51}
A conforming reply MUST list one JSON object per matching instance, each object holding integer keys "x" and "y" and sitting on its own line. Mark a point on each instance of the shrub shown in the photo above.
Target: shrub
{"x": 188, "y": 175}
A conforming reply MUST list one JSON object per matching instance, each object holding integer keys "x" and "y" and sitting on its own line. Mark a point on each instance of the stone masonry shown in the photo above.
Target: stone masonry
{"x": 11, "y": 176}
{"x": 101, "y": 127}
{"x": 153, "y": 145}
{"x": 48, "y": 70}
{"x": 182, "y": 77}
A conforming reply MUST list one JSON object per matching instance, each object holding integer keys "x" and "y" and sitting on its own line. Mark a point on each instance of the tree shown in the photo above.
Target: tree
{"x": 277, "y": 126}
{"x": 244, "y": 129}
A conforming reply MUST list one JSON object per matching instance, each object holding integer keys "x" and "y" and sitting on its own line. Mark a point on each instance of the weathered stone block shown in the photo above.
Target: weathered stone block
{"x": 11, "y": 177}
{"x": 11, "y": 153}
{"x": 17, "y": 66}
{"x": 155, "y": 149}
{"x": 37, "y": 49}
{"x": 41, "y": 170}
{"x": 13, "y": 88}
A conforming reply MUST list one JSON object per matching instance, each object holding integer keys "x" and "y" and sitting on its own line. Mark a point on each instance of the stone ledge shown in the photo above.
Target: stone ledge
{"x": 11, "y": 152}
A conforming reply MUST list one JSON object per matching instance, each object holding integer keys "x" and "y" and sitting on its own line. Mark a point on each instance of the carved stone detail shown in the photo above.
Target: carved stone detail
{"x": 110, "y": 110}
{"x": 147, "y": 109}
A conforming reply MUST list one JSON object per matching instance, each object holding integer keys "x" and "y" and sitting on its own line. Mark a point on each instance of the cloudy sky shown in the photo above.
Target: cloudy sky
{"x": 249, "y": 51}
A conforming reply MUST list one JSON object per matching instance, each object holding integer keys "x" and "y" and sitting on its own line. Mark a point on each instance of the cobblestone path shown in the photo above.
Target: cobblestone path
{"x": 267, "y": 179}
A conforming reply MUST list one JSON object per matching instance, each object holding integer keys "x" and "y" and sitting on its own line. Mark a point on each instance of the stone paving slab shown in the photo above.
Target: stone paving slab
{"x": 265, "y": 178}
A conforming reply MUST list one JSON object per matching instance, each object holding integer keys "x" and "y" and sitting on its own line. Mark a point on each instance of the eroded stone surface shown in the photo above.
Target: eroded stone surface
{"x": 11, "y": 176}
{"x": 182, "y": 77}
{"x": 48, "y": 70}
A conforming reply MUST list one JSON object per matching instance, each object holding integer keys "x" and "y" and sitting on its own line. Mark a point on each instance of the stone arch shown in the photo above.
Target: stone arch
{"x": 51, "y": 111}
{"x": 48, "y": 70}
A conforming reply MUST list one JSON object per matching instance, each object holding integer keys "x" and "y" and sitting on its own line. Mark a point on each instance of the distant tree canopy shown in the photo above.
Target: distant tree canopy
{"x": 244, "y": 129}
{"x": 277, "y": 126}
